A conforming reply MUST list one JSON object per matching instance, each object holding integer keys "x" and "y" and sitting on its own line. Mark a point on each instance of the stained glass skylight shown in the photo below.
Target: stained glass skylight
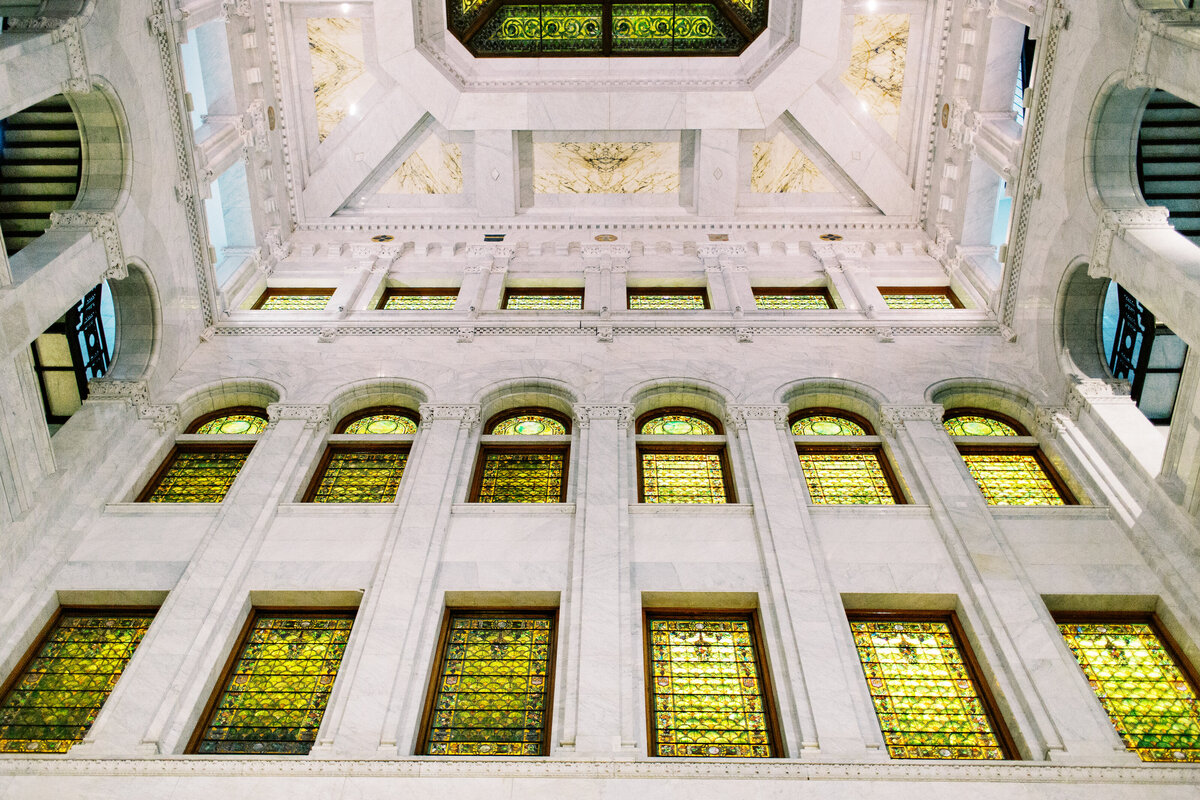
{"x": 418, "y": 300}
{"x": 655, "y": 300}
{"x": 543, "y": 301}
{"x": 919, "y": 299}
{"x": 791, "y": 300}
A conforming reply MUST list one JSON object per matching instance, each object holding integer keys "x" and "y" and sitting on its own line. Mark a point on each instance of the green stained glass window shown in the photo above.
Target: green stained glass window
{"x": 420, "y": 301}
{"x": 529, "y": 425}
{"x": 294, "y": 300}
{"x": 59, "y": 692}
{"x": 530, "y": 301}
{"x": 383, "y": 424}
{"x": 706, "y": 687}
{"x": 851, "y": 476}
{"x": 492, "y": 691}
{"x": 683, "y": 477}
{"x": 522, "y": 476}
{"x": 1141, "y": 684}
{"x": 359, "y": 476}
{"x": 652, "y": 301}
{"x": 826, "y": 425}
{"x": 791, "y": 301}
{"x": 273, "y": 698}
{"x": 196, "y": 475}
{"x": 919, "y": 299}
{"x": 677, "y": 425}
{"x": 536, "y": 29}
{"x": 975, "y": 425}
{"x": 671, "y": 27}
{"x": 926, "y": 696}
{"x": 234, "y": 424}
{"x": 1012, "y": 478}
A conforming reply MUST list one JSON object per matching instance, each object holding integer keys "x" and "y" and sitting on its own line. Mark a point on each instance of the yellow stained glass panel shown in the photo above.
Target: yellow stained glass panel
{"x": 361, "y": 476}
{"x": 706, "y": 689}
{"x": 544, "y": 302}
{"x": 198, "y": 476}
{"x": 927, "y": 701}
{"x": 826, "y": 425}
{"x": 677, "y": 425}
{"x": 846, "y": 478}
{"x": 1151, "y": 703}
{"x": 919, "y": 301}
{"x": 383, "y": 424}
{"x": 522, "y": 477}
{"x": 666, "y": 302}
{"x": 791, "y": 302}
{"x": 975, "y": 425}
{"x": 1012, "y": 479}
{"x": 682, "y": 478}
{"x": 420, "y": 302}
{"x": 295, "y": 302}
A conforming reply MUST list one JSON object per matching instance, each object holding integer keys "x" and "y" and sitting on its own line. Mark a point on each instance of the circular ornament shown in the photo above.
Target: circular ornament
{"x": 383, "y": 237}
{"x": 530, "y": 428}
{"x": 235, "y": 426}
{"x": 826, "y": 428}
{"x": 831, "y": 237}
{"x": 605, "y": 237}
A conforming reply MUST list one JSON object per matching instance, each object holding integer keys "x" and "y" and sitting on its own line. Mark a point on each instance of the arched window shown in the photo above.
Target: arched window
{"x": 1005, "y": 460}
{"x": 523, "y": 458}
{"x": 842, "y": 459}
{"x": 365, "y": 457}
{"x": 681, "y": 458}
{"x": 206, "y": 460}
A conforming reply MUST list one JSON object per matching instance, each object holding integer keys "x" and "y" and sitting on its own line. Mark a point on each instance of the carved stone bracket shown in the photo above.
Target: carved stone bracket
{"x": 103, "y": 226}
{"x": 739, "y": 416}
{"x": 314, "y": 416}
{"x": 1095, "y": 391}
{"x": 584, "y": 414}
{"x": 67, "y": 34}
{"x": 467, "y": 414}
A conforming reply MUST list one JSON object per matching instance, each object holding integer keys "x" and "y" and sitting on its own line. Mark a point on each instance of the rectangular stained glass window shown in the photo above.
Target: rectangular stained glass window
{"x": 1012, "y": 479}
{"x": 56, "y": 696}
{"x": 928, "y": 700}
{"x": 707, "y": 689}
{"x": 652, "y": 300}
{"x": 493, "y": 683}
{"x": 846, "y": 477}
{"x": 294, "y": 300}
{"x": 273, "y": 697}
{"x": 440, "y": 300}
{"x": 525, "y": 476}
{"x": 682, "y": 477}
{"x": 1142, "y": 684}
{"x": 367, "y": 475}
{"x": 543, "y": 301}
{"x": 919, "y": 298}
{"x": 791, "y": 300}
{"x": 196, "y": 475}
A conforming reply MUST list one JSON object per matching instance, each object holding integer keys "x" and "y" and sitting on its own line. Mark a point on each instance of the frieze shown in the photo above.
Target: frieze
{"x": 739, "y": 416}
{"x": 314, "y": 416}
{"x": 622, "y": 413}
{"x": 467, "y": 414}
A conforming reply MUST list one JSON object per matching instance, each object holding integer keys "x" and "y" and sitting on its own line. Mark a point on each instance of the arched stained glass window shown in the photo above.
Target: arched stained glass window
{"x": 197, "y": 471}
{"x": 1015, "y": 474}
{"x": 364, "y": 471}
{"x": 382, "y": 422}
{"x": 672, "y": 469}
{"x": 677, "y": 425}
{"x": 978, "y": 425}
{"x": 826, "y": 425}
{"x": 523, "y": 472}
{"x": 849, "y": 467}
{"x": 528, "y": 425}
{"x": 234, "y": 421}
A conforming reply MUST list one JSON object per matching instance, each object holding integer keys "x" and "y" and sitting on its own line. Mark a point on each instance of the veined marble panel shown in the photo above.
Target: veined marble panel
{"x": 878, "y": 52}
{"x": 779, "y": 166}
{"x": 339, "y": 70}
{"x": 435, "y": 167}
{"x": 605, "y": 167}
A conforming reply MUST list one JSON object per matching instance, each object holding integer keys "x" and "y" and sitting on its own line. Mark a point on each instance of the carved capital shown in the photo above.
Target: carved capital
{"x": 136, "y": 394}
{"x": 165, "y": 417}
{"x": 739, "y": 416}
{"x": 68, "y": 35}
{"x": 893, "y": 417}
{"x": 235, "y": 8}
{"x": 103, "y": 226}
{"x": 584, "y": 414}
{"x": 1052, "y": 419}
{"x": 467, "y": 414}
{"x": 313, "y": 416}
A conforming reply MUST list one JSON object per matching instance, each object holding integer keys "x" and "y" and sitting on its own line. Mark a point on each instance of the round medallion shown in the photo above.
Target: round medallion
{"x": 677, "y": 427}
{"x": 944, "y": 753}
{"x": 1178, "y": 755}
{"x": 605, "y": 237}
{"x": 381, "y": 426}
{"x": 235, "y": 426}
{"x": 485, "y": 748}
{"x": 826, "y": 428}
{"x": 945, "y": 114}
{"x": 383, "y": 237}
{"x": 530, "y": 427}
{"x": 977, "y": 428}
{"x": 831, "y": 237}
{"x": 714, "y": 750}
{"x": 271, "y": 117}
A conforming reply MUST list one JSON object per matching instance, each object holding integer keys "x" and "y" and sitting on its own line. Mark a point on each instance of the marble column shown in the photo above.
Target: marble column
{"x": 470, "y": 291}
{"x": 33, "y": 67}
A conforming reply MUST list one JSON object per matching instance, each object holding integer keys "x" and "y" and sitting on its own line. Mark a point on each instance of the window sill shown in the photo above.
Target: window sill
{"x": 198, "y": 509}
{"x": 486, "y": 509}
{"x": 735, "y": 509}
{"x": 1057, "y": 512}
{"x": 305, "y": 509}
{"x": 902, "y": 509}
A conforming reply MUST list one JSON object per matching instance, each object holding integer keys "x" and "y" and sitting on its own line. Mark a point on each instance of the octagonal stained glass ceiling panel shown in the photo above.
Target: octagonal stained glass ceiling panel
{"x": 514, "y": 28}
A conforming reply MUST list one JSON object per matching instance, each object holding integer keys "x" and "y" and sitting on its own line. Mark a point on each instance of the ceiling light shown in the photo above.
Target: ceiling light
{"x": 872, "y": 6}
{"x": 346, "y": 7}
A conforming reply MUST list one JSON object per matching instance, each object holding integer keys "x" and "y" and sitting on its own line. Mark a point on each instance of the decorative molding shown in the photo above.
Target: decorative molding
{"x": 719, "y": 249}
{"x": 601, "y": 250}
{"x": 235, "y": 8}
{"x": 739, "y": 416}
{"x": 137, "y": 395}
{"x": 1115, "y": 222}
{"x": 891, "y": 418}
{"x": 585, "y": 413}
{"x": 1096, "y": 391}
{"x": 68, "y": 35}
{"x": 1052, "y": 419}
{"x": 103, "y": 225}
{"x": 467, "y": 414}
{"x": 314, "y": 416}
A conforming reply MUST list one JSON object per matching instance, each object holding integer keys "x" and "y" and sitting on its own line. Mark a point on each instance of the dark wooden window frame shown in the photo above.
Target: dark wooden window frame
{"x": 486, "y": 449}
{"x": 795, "y": 291}
{"x": 270, "y": 292}
{"x": 201, "y": 421}
{"x": 231, "y": 660}
{"x": 633, "y": 291}
{"x": 371, "y": 411}
{"x": 190, "y": 447}
{"x": 946, "y": 291}
{"x": 991, "y": 708}
{"x": 521, "y": 411}
{"x": 889, "y": 475}
{"x": 572, "y": 291}
{"x": 439, "y": 658}
{"x": 350, "y": 447}
{"x": 440, "y": 291}
{"x": 770, "y": 703}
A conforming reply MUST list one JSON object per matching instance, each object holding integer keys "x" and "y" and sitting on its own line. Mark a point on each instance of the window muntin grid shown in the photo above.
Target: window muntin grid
{"x": 707, "y": 688}
{"x": 439, "y": 300}
{"x": 1146, "y": 692}
{"x": 196, "y": 474}
{"x": 491, "y": 695}
{"x": 928, "y": 700}
{"x": 792, "y": 300}
{"x": 691, "y": 476}
{"x": 294, "y": 300}
{"x": 919, "y": 298}
{"x": 359, "y": 475}
{"x": 543, "y": 301}
{"x": 660, "y": 300}
{"x": 56, "y": 696}
{"x": 846, "y": 476}
{"x": 274, "y": 695}
{"x": 1012, "y": 477}
{"x": 521, "y": 476}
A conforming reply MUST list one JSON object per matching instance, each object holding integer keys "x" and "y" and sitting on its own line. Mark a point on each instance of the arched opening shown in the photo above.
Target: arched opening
{"x": 41, "y": 169}
{"x": 1168, "y": 164}
{"x": 1144, "y": 352}
{"x": 77, "y": 348}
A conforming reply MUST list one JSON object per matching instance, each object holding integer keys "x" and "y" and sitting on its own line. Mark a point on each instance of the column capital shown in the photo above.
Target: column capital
{"x": 313, "y": 416}
{"x": 136, "y": 394}
{"x": 893, "y": 417}
{"x": 585, "y": 413}
{"x": 739, "y": 416}
{"x": 103, "y": 225}
{"x": 467, "y": 414}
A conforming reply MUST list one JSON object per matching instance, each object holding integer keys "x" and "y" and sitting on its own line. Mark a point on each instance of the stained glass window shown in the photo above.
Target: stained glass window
{"x": 521, "y": 476}
{"x": 926, "y": 696}
{"x": 792, "y": 300}
{"x": 683, "y": 477}
{"x": 419, "y": 300}
{"x": 921, "y": 299}
{"x": 359, "y": 476}
{"x": 492, "y": 695}
{"x": 60, "y": 691}
{"x": 234, "y": 424}
{"x": 976, "y": 425}
{"x": 273, "y": 698}
{"x": 668, "y": 301}
{"x": 547, "y": 301}
{"x": 1141, "y": 684}
{"x": 382, "y": 424}
{"x": 659, "y": 27}
{"x": 196, "y": 475}
{"x": 529, "y": 425}
{"x": 677, "y": 425}
{"x": 851, "y": 476}
{"x": 294, "y": 300}
{"x": 1012, "y": 478}
{"x": 826, "y": 425}
{"x": 707, "y": 689}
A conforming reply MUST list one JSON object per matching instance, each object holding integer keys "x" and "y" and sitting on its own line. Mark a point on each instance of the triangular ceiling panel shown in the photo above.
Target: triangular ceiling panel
{"x": 433, "y": 167}
{"x": 780, "y": 167}
{"x": 787, "y": 168}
